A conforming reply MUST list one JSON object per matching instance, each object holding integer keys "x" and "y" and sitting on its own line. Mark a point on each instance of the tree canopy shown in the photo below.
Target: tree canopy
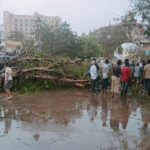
{"x": 110, "y": 37}
{"x": 142, "y": 9}
{"x": 61, "y": 40}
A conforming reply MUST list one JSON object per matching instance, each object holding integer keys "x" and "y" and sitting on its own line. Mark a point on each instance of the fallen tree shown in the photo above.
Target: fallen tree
{"x": 55, "y": 68}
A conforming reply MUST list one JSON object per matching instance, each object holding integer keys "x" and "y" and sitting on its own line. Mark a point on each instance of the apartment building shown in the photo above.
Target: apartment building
{"x": 1, "y": 34}
{"x": 25, "y": 23}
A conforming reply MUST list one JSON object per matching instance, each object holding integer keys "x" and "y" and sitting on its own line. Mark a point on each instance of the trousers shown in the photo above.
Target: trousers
{"x": 124, "y": 88}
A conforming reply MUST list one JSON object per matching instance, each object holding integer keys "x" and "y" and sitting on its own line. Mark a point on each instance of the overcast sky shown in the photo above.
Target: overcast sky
{"x": 82, "y": 15}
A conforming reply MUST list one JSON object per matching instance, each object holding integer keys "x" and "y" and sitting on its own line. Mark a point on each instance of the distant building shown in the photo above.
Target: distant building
{"x": 136, "y": 36}
{"x": 1, "y": 34}
{"x": 146, "y": 46}
{"x": 25, "y": 23}
{"x": 127, "y": 49}
{"x": 13, "y": 44}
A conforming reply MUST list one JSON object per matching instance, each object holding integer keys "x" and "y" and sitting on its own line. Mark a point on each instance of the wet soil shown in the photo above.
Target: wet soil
{"x": 74, "y": 120}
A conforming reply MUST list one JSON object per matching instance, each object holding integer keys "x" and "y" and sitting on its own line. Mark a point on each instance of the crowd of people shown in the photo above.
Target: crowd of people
{"x": 120, "y": 76}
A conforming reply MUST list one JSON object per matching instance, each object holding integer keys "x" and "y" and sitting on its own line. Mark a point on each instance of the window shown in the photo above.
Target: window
{"x": 21, "y": 29}
{"x": 16, "y": 27}
{"x": 26, "y": 21}
{"x": 10, "y": 18}
{"x": 32, "y": 29}
{"x": 26, "y": 33}
{"x": 26, "y": 29}
{"x": 16, "y": 20}
{"x": 32, "y": 22}
{"x": 31, "y": 33}
{"x": 21, "y": 21}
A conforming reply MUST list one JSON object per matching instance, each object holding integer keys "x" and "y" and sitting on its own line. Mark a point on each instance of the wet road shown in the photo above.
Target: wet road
{"x": 74, "y": 120}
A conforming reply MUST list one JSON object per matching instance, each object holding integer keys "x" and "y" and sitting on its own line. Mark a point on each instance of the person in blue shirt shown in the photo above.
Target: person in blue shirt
{"x": 137, "y": 74}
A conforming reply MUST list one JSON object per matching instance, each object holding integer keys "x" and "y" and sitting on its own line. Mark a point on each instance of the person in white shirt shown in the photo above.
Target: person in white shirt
{"x": 105, "y": 72}
{"x": 8, "y": 80}
{"x": 93, "y": 75}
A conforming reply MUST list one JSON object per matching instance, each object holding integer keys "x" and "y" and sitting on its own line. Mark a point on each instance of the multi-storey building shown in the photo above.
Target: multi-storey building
{"x": 25, "y": 23}
{"x": 1, "y": 34}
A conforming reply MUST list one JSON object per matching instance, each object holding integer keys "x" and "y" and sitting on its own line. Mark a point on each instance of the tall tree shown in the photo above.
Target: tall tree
{"x": 61, "y": 40}
{"x": 58, "y": 39}
{"x": 142, "y": 9}
{"x": 88, "y": 46}
{"x": 27, "y": 43}
{"x": 110, "y": 37}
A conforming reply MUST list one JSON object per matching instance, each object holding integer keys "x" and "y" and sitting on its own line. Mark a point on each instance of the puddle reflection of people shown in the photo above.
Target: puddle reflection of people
{"x": 104, "y": 112}
{"x": 114, "y": 115}
{"x": 8, "y": 121}
{"x": 124, "y": 113}
{"x": 92, "y": 107}
{"x": 145, "y": 113}
{"x": 36, "y": 136}
{"x": 144, "y": 131}
{"x": 7, "y": 125}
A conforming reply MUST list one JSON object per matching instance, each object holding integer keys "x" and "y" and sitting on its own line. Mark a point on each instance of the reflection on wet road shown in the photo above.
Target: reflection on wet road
{"x": 74, "y": 120}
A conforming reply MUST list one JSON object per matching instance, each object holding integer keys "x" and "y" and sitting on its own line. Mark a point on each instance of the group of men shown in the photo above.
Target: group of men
{"x": 122, "y": 74}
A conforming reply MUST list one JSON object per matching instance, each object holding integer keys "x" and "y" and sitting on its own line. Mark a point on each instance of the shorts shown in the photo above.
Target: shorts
{"x": 137, "y": 79}
{"x": 115, "y": 84}
{"x": 8, "y": 85}
{"x": 104, "y": 83}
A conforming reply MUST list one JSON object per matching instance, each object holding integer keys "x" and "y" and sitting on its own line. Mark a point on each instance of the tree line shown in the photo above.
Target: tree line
{"x": 62, "y": 40}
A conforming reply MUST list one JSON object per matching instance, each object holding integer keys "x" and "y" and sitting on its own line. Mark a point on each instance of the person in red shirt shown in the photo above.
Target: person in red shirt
{"x": 125, "y": 77}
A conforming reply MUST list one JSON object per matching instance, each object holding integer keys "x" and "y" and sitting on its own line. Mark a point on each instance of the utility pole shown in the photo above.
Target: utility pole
{"x": 37, "y": 42}
{"x": 1, "y": 34}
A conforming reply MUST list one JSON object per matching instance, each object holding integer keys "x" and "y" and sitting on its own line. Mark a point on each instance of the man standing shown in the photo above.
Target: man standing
{"x": 115, "y": 80}
{"x": 8, "y": 80}
{"x": 137, "y": 74}
{"x": 93, "y": 75}
{"x": 105, "y": 72}
{"x": 125, "y": 77}
{"x": 147, "y": 76}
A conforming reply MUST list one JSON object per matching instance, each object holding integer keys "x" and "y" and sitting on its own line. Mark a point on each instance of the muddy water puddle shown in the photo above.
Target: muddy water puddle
{"x": 74, "y": 120}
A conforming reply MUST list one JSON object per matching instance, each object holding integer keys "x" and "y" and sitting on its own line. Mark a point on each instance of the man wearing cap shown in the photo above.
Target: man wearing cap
{"x": 93, "y": 75}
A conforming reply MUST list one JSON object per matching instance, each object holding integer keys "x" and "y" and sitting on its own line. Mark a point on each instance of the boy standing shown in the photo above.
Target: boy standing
{"x": 125, "y": 77}
{"x": 137, "y": 74}
{"x": 8, "y": 80}
{"x": 105, "y": 72}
